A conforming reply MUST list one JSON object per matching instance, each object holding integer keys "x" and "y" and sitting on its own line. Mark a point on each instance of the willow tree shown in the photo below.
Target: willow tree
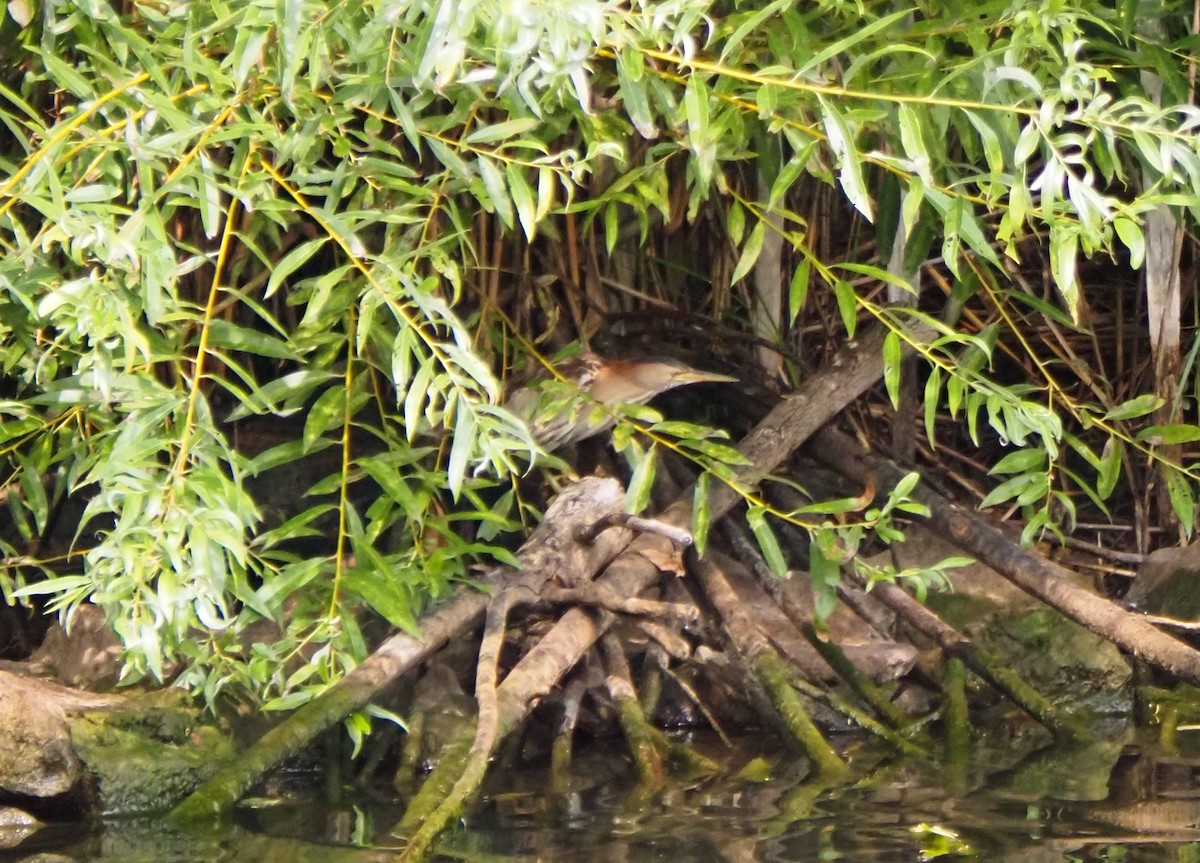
{"x": 355, "y": 214}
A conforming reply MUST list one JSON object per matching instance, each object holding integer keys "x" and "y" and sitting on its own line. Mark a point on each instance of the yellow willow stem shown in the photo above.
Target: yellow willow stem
{"x": 60, "y": 135}
{"x": 344, "y": 483}
{"x": 227, "y": 233}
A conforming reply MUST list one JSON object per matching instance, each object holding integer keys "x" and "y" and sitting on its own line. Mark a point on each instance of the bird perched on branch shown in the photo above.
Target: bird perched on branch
{"x": 577, "y": 402}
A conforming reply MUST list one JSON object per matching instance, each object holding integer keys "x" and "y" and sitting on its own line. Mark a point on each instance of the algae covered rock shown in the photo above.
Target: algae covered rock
{"x": 1058, "y": 657}
{"x": 147, "y": 758}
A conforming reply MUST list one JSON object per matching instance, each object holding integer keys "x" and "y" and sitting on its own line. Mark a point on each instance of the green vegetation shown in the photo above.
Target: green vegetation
{"x": 351, "y": 214}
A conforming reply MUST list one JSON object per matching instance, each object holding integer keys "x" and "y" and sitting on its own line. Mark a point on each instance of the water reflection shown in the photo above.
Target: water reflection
{"x": 1123, "y": 801}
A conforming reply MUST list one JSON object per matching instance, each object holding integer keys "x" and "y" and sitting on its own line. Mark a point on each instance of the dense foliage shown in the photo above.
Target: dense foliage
{"x": 351, "y": 214}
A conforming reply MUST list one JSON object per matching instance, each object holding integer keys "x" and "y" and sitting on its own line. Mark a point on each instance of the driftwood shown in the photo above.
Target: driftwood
{"x": 785, "y": 428}
{"x": 793, "y": 420}
{"x": 550, "y": 550}
{"x": 1028, "y": 570}
{"x": 771, "y": 672}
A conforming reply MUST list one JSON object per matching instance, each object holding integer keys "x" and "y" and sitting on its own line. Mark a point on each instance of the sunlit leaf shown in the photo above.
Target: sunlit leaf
{"x": 768, "y": 543}
{"x": 1020, "y": 461}
{"x": 841, "y": 141}
{"x": 641, "y": 484}
{"x": 893, "y": 357}
{"x": 701, "y": 512}
{"x": 291, "y": 262}
{"x": 750, "y": 252}
{"x": 798, "y": 289}
{"x": 1136, "y": 407}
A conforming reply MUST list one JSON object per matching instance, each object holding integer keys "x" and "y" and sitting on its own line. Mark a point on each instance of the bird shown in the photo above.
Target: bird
{"x": 576, "y": 403}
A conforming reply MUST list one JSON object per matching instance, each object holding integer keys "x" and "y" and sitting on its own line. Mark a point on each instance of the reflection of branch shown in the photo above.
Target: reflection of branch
{"x": 487, "y": 728}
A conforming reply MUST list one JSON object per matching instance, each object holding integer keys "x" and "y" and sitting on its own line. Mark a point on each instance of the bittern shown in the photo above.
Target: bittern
{"x": 593, "y": 386}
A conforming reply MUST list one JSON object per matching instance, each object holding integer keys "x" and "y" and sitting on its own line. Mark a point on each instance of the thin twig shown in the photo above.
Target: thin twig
{"x": 600, "y": 596}
{"x": 679, "y": 536}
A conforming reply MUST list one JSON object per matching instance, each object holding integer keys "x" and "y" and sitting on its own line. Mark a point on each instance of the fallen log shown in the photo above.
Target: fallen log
{"x": 799, "y": 415}
{"x": 770, "y": 671}
{"x": 1028, "y": 570}
{"x": 956, "y": 645}
{"x": 551, "y": 549}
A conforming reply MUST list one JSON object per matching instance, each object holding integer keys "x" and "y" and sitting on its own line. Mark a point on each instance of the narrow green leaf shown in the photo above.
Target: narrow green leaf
{"x": 893, "y": 359}
{"x": 503, "y": 131}
{"x": 462, "y": 446}
{"x": 824, "y": 574}
{"x": 292, "y": 261}
{"x": 327, "y": 412}
{"x": 493, "y": 181}
{"x": 752, "y": 23}
{"x": 290, "y": 13}
{"x": 722, "y": 453}
{"x": 1130, "y": 233}
{"x": 374, "y": 581}
{"x": 284, "y": 453}
{"x": 547, "y": 183}
{"x": 701, "y": 512}
{"x": 1041, "y": 306}
{"x": 1170, "y": 434}
{"x": 695, "y": 105}
{"x": 1183, "y": 499}
{"x": 1064, "y": 253}
{"x": 856, "y": 36}
{"x": 912, "y": 138}
{"x": 62, "y": 584}
{"x": 634, "y": 91}
{"x": 750, "y": 252}
{"x": 210, "y": 197}
{"x": 1038, "y": 488}
{"x": 284, "y": 396}
{"x": 18, "y": 428}
{"x": 1110, "y": 468}
{"x": 64, "y": 75}
{"x": 841, "y": 141}
{"x": 33, "y": 492}
{"x": 1021, "y": 461}
{"x": 798, "y": 290}
{"x": 906, "y": 485}
{"x": 767, "y": 541}
{"x": 847, "y": 302}
{"x": 992, "y": 151}
{"x": 681, "y": 429}
{"x": 1011, "y": 488}
{"x": 1134, "y": 408}
{"x": 933, "y": 391}
{"x": 225, "y": 334}
{"x": 522, "y": 195}
{"x": 93, "y": 193}
{"x": 641, "y": 484}
{"x": 735, "y": 222}
{"x": 612, "y": 226}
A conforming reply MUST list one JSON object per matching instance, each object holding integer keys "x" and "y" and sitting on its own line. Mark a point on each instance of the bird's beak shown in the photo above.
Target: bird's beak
{"x": 695, "y": 376}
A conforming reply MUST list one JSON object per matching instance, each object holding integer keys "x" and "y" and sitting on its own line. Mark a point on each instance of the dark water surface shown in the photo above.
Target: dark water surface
{"x": 1119, "y": 801}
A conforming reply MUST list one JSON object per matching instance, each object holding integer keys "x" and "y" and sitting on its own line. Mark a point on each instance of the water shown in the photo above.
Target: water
{"x": 1126, "y": 800}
